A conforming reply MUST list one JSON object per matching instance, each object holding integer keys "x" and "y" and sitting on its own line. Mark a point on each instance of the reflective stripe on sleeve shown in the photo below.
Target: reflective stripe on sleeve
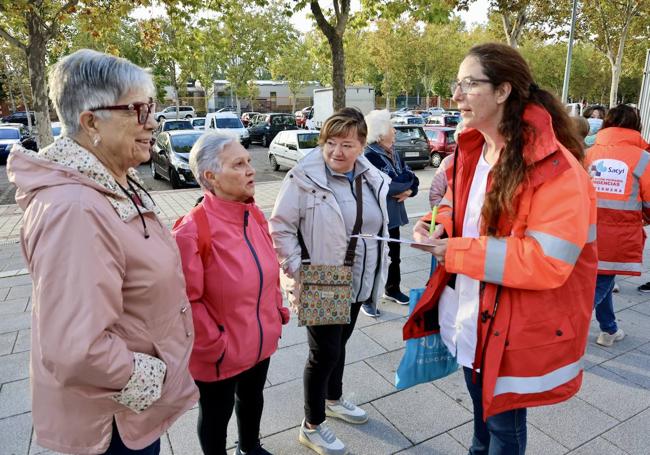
{"x": 641, "y": 166}
{"x": 556, "y": 247}
{"x": 619, "y": 205}
{"x": 446, "y": 202}
{"x": 537, "y": 384}
{"x": 591, "y": 236}
{"x": 620, "y": 266}
{"x": 495, "y": 260}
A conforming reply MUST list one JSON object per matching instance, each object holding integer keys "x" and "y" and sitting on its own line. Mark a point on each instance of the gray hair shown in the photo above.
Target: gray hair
{"x": 88, "y": 79}
{"x": 379, "y": 124}
{"x": 206, "y": 155}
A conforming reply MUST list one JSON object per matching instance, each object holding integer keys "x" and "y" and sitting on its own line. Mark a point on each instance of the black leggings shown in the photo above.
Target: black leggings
{"x": 245, "y": 393}
{"x": 323, "y": 376}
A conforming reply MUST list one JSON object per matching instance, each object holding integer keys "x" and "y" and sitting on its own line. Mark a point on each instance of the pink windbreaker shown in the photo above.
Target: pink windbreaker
{"x": 236, "y": 300}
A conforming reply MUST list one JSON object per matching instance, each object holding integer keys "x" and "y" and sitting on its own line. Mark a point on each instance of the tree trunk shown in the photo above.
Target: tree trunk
{"x": 613, "y": 91}
{"x": 338, "y": 71}
{"x": 618, "y": 63}
{"x": 293, "y": 102}
{"x": 36, "y": 51}
{"x": 513, "y": 30}
{"x": 26, "y": 106}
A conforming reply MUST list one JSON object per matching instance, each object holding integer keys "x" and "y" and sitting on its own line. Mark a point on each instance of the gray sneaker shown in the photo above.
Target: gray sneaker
{"x": 347, "y": 411}
{"x": 321, "y": 440}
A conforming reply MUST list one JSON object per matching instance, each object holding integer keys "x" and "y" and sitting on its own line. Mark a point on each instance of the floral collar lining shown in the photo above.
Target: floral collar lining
{"x": 66, "y": 152}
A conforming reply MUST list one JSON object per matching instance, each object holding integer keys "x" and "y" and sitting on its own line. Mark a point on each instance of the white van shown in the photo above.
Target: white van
{"x": 228, "y": 122}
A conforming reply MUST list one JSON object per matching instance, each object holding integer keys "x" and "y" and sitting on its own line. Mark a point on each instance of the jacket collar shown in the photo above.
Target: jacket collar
{"x": 68, "y": 154}
{"x": 540, "y": 144}
{"x": 227, "y": 211}
{"x": 621, "y": 136}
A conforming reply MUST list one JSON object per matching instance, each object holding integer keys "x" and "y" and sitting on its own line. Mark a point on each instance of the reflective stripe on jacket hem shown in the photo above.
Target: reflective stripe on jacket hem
{"x": 537, "y": 384}
{"x": 620, "y": 266}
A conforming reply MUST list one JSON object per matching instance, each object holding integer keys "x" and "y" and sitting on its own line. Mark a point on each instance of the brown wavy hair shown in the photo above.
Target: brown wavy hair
{"x": 502, "y": 63}
{"x": 623, "y": 116}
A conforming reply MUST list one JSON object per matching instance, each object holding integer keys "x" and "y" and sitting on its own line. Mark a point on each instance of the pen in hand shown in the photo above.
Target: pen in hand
{"x": 432, "y": 226}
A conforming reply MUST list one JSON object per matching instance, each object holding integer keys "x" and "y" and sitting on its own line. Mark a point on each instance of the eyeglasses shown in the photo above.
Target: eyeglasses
{"x": 143, "y": 109}
{"x": 466, "y": 85}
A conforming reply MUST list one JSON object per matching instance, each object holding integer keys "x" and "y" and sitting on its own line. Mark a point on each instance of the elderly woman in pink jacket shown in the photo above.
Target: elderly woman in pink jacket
{"x": 111, "y": 325}
{"x": 232, "y": 277}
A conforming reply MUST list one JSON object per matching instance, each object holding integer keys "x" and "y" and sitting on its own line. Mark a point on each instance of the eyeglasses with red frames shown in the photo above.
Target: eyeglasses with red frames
{"x": 143, "y": 109}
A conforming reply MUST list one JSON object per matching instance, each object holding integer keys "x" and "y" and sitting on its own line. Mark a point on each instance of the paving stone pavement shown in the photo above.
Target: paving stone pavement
{"x": 610, "y": 414}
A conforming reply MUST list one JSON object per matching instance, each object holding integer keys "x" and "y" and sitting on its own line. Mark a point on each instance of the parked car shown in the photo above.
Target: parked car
{"x": 288, "y": 147}
{"x": 198, "y": 123}
{"x": 19, "y": 117}
{"x": 267, "y": 126}
{"x": 302, "y": 115}
{"x": 227, "y": 109}
{"x": 246, "y": 118}
{"x": 228, "y": 122}
{"x": 412, "y": 145}
{"x": 56, "y": 129}
{"x": 173, "y": 125}
{"x": 408, "y": 120}
{"x": 444, "y": 120}
{"x": 441, "y": 143}
{"x": 170, "y": 113}
{"x": 436, "y": 111}
{"x": 10, "y": 135}
{"x": 170, "y": 157}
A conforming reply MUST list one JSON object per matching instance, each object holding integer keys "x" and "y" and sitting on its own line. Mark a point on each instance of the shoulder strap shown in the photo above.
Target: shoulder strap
{"x": 352, "y": 246}
{"x": 204, "y": 237}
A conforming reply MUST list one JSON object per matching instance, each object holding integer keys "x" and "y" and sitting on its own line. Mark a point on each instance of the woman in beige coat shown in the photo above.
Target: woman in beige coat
{"x": 111, "y": 325}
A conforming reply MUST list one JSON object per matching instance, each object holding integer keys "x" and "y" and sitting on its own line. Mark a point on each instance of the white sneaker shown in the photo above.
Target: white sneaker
{"x": 347, "y": 411}
{"x": 321, "y": 440}
{"x": 608, "y": 339}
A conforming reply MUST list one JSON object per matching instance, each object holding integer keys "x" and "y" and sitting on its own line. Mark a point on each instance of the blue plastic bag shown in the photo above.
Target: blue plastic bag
{"x": 425, "y": 359}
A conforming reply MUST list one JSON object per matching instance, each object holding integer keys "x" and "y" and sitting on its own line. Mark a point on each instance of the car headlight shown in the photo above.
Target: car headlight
{"x": 245, "y": 134}
{"x": 180, "y": 164}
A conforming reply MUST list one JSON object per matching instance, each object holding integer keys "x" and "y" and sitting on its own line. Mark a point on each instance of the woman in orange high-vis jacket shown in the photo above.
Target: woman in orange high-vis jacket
{"x": 619, "y": 169}
{"x": 513, "y": 296}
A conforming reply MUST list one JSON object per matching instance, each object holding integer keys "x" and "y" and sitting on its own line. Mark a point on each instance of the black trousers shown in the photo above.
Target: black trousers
{"x": 394, "y": 278}
{"x": 323, "y": 376}
{"x": 117, "y": 447}
{"x": 245, "y": 393}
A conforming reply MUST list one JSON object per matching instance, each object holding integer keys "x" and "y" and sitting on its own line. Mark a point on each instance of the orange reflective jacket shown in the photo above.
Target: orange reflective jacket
{"x": 538, "y": 275}
{"x": 619, "y": 169}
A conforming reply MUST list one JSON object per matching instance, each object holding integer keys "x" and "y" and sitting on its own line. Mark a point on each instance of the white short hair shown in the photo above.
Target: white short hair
{"x": 88, "y": 79}
{"x": 379, "y": 124}
{"x": 206, "y": 155}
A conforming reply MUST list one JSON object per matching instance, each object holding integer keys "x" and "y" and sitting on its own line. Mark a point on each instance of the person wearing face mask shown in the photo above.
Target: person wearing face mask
{"x": 232, "y": 279}
{"x": 111, "y": 325}
{"x": 513, "y": 295}
{"x": 318, "y": 198}
{"x": 404, "y": 184}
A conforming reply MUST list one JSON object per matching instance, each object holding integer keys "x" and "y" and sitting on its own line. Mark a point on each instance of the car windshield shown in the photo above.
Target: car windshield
{"x": 183, "y": 143}
{"x": 199, "y": 122}
{"x": 229, "y": 123}
{"x": 177, "y": 125}
{"x": 308, "y": 141}
{"x": 9, "y": 133}
{"x": 432, "y": 135}
{"x": 416, "y": 121}
{"x": 452, "y": 120}
{"x": 406, "y": 134}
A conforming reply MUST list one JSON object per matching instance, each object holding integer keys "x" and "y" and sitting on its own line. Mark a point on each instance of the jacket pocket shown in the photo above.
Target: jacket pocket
{"x": 543, "y": 333}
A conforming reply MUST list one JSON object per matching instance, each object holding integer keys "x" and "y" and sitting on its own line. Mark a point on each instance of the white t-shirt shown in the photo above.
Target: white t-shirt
{"x": 458, "y": 308}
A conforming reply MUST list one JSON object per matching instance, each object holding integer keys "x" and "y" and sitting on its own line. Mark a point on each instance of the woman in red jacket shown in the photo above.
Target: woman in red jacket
{"x": 514, "y": 295}
{"x": 232, "y": 280}
{"x": 618, "y": 165}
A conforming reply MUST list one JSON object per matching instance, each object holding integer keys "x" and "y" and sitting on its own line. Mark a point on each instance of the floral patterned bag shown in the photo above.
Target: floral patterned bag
{"x": 326, "y": 290}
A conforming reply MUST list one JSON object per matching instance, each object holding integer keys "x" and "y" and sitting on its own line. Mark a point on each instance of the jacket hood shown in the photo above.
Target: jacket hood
{"x": 312, "y": 170}
{"x": 538, "y": 146}
{"x": 621, "y": 136}
{"x": 65, "y": 162}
